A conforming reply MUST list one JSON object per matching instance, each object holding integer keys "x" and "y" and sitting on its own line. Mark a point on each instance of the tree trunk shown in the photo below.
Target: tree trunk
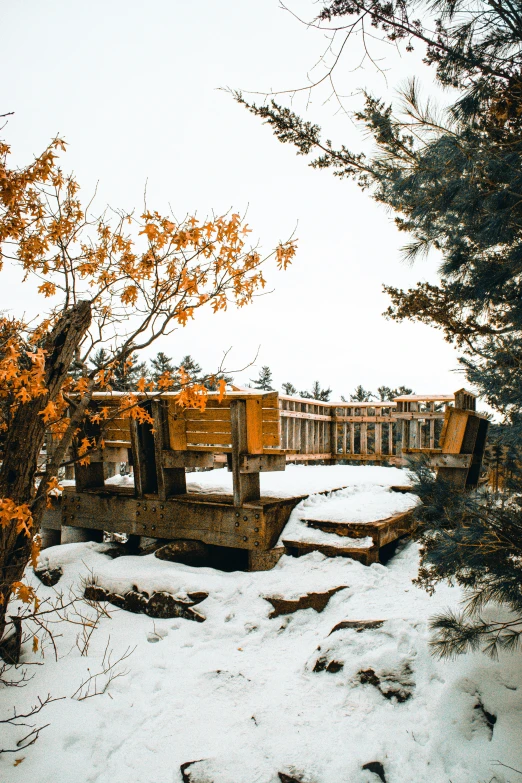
{"x": 24, "y": 443}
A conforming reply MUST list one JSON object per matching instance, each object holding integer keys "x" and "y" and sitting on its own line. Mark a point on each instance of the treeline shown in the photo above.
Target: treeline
{"x": 318, "y": 392}
{"x": 126, "y": 374}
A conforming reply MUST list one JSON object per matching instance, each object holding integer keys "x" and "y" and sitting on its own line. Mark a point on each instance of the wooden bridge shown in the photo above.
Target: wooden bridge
{"x": 250, "y": 432}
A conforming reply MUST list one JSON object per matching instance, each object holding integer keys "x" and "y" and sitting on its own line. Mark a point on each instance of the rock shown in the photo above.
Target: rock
{"x": 357, "y": 625}
{"x": 194, "y": 775}
{"x": 96, "y": 593}
{"x": 164, "y": 605}
{"x": 377, "y": 768}
{"x": 197, "y": 597}
{"x": 148, "y": 545}
{"x": 391, "y": 685}
{"x": 159, "y": 605}
{"x": 135, "y": 601}
{"x": 368, "y": 677}
{"x": 186, "y": 551}
{"x": 288, "y": 778}
{"x": 49, "y": 576}
{"x": 323, "y": 664}
{"x": 316, "y": 601}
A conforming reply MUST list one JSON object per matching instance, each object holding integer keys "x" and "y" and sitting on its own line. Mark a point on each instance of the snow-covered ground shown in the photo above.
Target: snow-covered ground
{"x": 294, "y": 481}
{"x": 239, "y": 691}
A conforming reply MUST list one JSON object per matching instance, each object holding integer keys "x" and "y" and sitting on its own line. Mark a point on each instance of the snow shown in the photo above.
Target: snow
{"x": 359, "y": 503}
{"x": 239, "y": 691}
{"x": 299, "y": 480}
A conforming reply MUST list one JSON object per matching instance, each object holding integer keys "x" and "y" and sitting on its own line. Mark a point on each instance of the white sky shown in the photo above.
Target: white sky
{"x": 133, "y": 88}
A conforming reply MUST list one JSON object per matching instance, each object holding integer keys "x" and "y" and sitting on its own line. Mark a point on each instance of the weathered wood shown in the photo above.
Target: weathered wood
{"x": 264, "y": 560}
{"x": 170, "y": 480}
{"x": 89, "y": 476}
{"x": 246, "y": 485}
{"x": 177, "y": 427}
{"x": 254, "y": 463}
{"x": 366, "y": 556}
{"x": 382, "y": 531}
{"x": 450, "y": 460}
{"x": 144, "y": 457}
{"x": 213, "y": 519}
{"x": 187, "y": 459}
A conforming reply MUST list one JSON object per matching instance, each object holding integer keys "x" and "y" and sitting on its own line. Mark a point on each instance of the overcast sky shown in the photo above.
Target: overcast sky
{"x": 133, "y": 87}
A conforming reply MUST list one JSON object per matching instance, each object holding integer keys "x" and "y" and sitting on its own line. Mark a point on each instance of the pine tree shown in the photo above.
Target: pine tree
{"x": 454, "y": 183}
{"x": 386, "y": 393}
{"x": 317, "y": 393}
{"x": 362, "y": 395}
{"x": 264, "y": 380}
{"x": 125, "y": 373}
{"x": 160, "y": 365}
{"x": 191, "y": 367}
{"x": 289, "y": 389}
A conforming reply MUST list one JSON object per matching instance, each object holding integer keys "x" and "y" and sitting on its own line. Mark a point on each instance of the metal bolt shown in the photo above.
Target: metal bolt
{"x": 161, "y": 516}
{"x": 153, "y": 527}
{"x": 137, "y": 513}
{"x": 257, "y": 516}
{"x": 237, "y": 513}
{"x": 256, "y": 530}
{"x": 162, "y": 507}
{"x": 237, "y": 524}
{"x": 144, "y": 508}
{"x": 245, "y": 538}
{"x": 154, "y": 508}
{"x": 245, "y": 519}
{"x": 257, "y": 543}
{"x": 139, "y": 504}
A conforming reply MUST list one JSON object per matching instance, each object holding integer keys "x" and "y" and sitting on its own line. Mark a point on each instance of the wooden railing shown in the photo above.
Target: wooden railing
{"x": 360, "y": 431}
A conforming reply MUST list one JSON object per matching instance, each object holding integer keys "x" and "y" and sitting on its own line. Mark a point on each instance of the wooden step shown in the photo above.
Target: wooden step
{"x": 364, "y": 555}
{"x": 382, "y": 531}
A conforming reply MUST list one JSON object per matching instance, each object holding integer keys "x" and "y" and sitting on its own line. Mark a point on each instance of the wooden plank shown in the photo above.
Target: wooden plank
{"x": 170, "y": 480}
{"x": 364, "y": 438}
{"x": 411, "y": 415}
{"x": 425, "y": 398}
{"x": 254, "y": 463}
{"x": 378, "y": 438}
{"x": 254, "y": 427}
{"x": 454, "y": 431}
{"x": 187, "y": 459}
{"x": 366, "y": 556}
{"x": 143, "y": 457}
{"x": 246, "y": 486}
{"x": 286, "y": 414}
{"x": 450, "y": 460}
{"x": 177, "y": 428}
{"x": 367, "y": 419}
{"x": 209, "y": 414}
{"x": 207, "y": 427}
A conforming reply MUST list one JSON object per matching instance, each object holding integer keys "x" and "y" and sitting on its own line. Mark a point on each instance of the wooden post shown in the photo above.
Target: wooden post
{"x": 171, "y": 481}
{"x": 143, "y": 457}
{"x": 246, "y": 485}
{"x": 378, "y": 437}
{"x": 364, "y": 438}
{"x": 334, "y": 437}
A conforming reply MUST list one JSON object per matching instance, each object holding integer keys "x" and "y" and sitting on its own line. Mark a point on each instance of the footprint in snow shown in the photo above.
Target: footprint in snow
{"x": 157, "y": 635}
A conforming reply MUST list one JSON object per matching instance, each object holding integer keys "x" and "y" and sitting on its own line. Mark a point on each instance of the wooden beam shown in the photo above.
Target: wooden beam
{"x": 188, "y": 459}
{"x": 143, "y": 457}
{"x": 246, "y": 485}
{"x": 254, "y": 463}
{"x": 171, "y": 480}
